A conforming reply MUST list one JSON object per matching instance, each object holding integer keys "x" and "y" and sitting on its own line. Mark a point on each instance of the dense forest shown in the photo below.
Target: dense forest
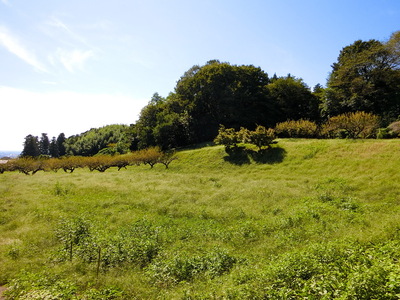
{"x": 365, "y": 78}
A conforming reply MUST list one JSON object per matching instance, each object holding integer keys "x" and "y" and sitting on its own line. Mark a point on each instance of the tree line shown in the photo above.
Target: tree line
{"x": 34, "y": 146}
{"x": 110, "y": 139}
{"x": 365, "y": 78}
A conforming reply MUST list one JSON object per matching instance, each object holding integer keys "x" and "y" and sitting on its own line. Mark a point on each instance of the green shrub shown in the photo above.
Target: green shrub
{"x": 384, "y": 133}
{"x": 260, "y": 137}
{"x": 137, "y": 244}
{"x": 394, "y": 129}
{"x": 227, "y": 137}
{"x": 297, "y": 129}
{"x": 183, "y": 268}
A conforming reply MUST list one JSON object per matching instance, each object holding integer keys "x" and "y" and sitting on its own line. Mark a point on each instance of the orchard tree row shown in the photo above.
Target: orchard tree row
{"x": 30, "y": 165}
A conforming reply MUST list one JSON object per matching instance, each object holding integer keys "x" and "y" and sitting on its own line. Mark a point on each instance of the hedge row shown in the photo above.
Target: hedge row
{"x": 101, "y": 163}
{"x": 350, "y": 125}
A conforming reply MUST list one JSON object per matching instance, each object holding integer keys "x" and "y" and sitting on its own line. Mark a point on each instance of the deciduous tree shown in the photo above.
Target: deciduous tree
{"x": 294, "y": 98}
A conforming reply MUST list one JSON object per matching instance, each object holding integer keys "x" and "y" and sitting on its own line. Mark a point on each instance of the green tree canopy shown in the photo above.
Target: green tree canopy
{"x": 295, "y": 100}
{"x": 92, "y": 141}
{"x": 221, "y": 93}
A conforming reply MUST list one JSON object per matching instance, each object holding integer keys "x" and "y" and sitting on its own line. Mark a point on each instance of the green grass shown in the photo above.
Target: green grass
{"x": 249, "y": 226}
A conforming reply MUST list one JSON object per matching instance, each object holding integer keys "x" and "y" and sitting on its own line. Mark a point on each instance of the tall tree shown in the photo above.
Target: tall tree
{"x": 44, "y": 144}
{"x": 220, "y": 93}
{"x": 53, "y": 148}
{"x": 366, "y": 77}
{"x": 60, "y": 144}
{"x": 148, "y": 121}
{"x": 31, "y": 146}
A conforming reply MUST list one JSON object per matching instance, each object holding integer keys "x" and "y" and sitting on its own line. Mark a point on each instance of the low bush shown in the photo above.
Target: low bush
{"x": 261, "y": 137}
{"x": 297, "y": 129}
{"x": 330, "y": 271}
{"x": 137, "y": 244}
{"x": 351, "y": 125}
{"x": 228, "y": 137}
{"x": 394, "y": 129}
{"x": 168, "y": 271}
{"x": 384, "y": 133}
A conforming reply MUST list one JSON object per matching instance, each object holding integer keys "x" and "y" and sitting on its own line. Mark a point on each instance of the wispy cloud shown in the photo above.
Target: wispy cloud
{"x": 5, "y": 2}
{"x": 13, "y": 45}
{"x": 73, "y": 60}
{"x": 73, "y": 50}
{"x": 63, "y": 27}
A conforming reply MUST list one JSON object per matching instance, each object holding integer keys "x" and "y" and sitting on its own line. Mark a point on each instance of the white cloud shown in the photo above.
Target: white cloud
{"x": 13, "y": 45}
{"x": 73, "y": 60}
{"x": 26, "y": 112}
{"x": 5, "y": 2}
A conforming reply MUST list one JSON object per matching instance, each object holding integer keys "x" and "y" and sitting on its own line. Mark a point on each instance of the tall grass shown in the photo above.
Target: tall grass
{"x": 209, "y": 226}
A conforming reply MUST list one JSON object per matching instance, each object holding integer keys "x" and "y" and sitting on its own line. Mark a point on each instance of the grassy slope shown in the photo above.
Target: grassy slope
{"x": 306, "y": 192}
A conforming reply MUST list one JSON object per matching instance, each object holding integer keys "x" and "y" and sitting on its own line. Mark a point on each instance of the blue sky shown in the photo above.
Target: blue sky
{"x": 68, "y": 66}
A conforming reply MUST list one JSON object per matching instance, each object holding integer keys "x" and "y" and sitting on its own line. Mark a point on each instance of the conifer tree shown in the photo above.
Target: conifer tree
{"x": 31, "y": 146}
{"x": 53, "y": 148}
{"x": 60, "y": 144}
{"x": 44, "y": 144}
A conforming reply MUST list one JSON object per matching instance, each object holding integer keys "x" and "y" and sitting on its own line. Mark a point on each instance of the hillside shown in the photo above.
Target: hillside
{"x": 314, "y": 218}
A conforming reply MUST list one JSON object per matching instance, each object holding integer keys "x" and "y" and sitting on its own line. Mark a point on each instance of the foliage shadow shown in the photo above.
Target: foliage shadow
{"x": 241, "y": 156}
{"x": 237, "y": 156}
{"x": 268, "y": 156}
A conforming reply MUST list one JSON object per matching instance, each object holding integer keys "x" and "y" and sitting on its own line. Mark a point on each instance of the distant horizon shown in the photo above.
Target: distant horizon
{"x": 9, "y": 152}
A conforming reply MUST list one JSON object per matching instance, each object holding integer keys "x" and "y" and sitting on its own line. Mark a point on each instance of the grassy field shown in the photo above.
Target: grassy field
{"x": 309, "y": 218}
